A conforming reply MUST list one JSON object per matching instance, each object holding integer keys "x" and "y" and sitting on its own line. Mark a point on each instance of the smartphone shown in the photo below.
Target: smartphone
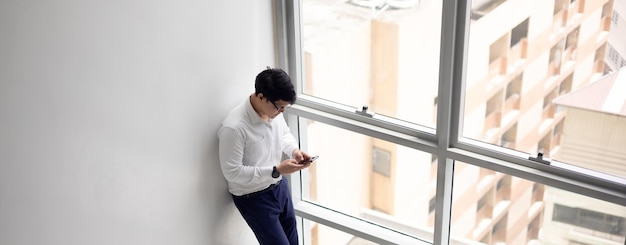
{"x": 312, "y": 159}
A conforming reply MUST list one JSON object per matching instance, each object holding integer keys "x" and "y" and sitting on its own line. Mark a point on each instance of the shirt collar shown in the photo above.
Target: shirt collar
{"x": 254, "y": 117}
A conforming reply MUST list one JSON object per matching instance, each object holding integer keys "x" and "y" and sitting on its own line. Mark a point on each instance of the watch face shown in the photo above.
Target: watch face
{"x": 275, "y": 173}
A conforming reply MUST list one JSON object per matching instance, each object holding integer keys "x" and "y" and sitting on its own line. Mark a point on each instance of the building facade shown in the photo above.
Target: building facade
{"x": 616, "y": 50}
{"x": 570, "y": 218}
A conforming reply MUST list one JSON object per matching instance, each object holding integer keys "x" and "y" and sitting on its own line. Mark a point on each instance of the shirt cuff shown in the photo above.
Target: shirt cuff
{"x": 267, "y": 172}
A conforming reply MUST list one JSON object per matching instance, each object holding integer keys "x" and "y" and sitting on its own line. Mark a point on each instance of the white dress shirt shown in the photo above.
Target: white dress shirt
{"x": 249, "y": 148}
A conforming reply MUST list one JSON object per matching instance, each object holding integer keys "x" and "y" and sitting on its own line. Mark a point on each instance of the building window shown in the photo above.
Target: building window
{"x": 566, "y": 85}
{"x": 519, "y": 33}
{"x": 560, "y": 5}
{"x": 599, "y": 59}
{"x": 544, "y": 145}
{"x": 498, "y": 52}
{"x": 513, "y": 94}
{"x": 431, "y": 205}
{"x": 571, "y": 45}
{"x": 607, "y": 12}
{"x": 589, "y": 219}
{"x": 509, "y": 137}
{"x": 382, "y": 161}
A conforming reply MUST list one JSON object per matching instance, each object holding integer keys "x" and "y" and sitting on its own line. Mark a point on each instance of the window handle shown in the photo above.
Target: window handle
{"x": 540, "y": 158}
{"x": 364, "y": 112}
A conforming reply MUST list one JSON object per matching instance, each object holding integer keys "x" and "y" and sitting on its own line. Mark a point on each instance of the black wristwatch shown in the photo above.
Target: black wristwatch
{"x": 275, "y": 173}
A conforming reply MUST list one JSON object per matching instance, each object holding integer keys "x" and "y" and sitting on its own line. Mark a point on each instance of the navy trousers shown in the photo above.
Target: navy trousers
{"x": 270, "y": 214}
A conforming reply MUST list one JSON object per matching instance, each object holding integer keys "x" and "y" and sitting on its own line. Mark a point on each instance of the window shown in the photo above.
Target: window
{"x": 589, "y": 219}
{"x": 513, "y": 93}
{"x": 431, "y": 205}
{"x": 343, "y": 178}
{"x": 556, "y": 52}
{"x": 381, "y": 159}
{"x": 555, "y": 67}
{"x": 545, "y": 146}
{"x": 599, "y": 65}
{"x": 519, "y": 33}
{"x": 491, "y": 212}
{"x": 607, "y": 11}
{"x": 382, "y": 54}
{"x": 571, "y": 45}
{"x": 566, "y": 85}
{"x": 442, "y": 85}
{"x": 509, "y": 138}
{"x": 498, "y": 52}
{"x": 560, "y": 5}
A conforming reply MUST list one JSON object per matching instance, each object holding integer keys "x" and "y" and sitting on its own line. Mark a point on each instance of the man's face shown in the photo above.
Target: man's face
{"x": 276, "y": 107}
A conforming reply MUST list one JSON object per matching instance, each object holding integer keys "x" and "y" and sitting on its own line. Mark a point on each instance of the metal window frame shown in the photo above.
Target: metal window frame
{"x": 446, "y": 142}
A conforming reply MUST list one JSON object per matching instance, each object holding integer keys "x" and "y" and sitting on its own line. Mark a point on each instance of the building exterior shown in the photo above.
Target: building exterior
{"x": 591, "y": 110}
{"x": 522, "y": 54}
{"x": 616, "y": 49}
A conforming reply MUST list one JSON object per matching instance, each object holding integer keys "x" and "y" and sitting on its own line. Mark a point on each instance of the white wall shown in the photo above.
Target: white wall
{"x": 108, "y": 118}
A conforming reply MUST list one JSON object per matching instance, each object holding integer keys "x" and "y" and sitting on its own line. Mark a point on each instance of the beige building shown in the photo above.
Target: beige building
{"x": 573, "y": 219}
{"x": 522, "y": 54}
{"x": 596, "y": 124}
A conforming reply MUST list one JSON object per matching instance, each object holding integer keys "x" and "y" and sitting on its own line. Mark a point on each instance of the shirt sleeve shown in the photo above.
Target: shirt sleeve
{"x": 231, "y": 148}
{"x": 288, "y": 142}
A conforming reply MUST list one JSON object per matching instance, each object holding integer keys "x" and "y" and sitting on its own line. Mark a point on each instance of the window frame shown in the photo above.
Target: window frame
{"x": 445, "y": 142}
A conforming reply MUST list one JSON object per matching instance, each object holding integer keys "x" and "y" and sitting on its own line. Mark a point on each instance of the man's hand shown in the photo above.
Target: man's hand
{"x": 291, "y": 165}
{"x": 300, "y": 156}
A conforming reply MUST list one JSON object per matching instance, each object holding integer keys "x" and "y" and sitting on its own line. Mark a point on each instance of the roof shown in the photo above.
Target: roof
{"x": 607, "y": 95}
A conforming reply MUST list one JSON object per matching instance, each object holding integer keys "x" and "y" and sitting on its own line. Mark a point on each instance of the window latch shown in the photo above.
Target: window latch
{"x": 540, "y": 158}
{"x": 363, "y": 112}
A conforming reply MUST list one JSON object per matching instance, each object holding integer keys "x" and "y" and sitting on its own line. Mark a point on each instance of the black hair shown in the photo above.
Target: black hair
{"x": 275, "y": 85}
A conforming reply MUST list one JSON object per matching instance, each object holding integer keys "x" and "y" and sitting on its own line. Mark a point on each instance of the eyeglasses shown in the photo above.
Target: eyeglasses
{"x": 278, "y": 108}
{"x": 274, "y": 105}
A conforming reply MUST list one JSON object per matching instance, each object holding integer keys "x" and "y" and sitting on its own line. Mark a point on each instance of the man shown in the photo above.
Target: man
{"x": 251, "y": 142}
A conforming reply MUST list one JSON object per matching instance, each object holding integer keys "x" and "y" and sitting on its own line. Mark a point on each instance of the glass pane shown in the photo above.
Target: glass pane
{"x": 494, "y": 208}
{"x": 371, "y": 179}
{"x": 383, "y": 54}
{"x": 321, "y": 234}
{"x": 537, "y": 81}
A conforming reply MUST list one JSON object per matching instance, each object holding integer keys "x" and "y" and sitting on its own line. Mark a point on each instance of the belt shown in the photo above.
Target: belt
{"x": 257, "y": 193}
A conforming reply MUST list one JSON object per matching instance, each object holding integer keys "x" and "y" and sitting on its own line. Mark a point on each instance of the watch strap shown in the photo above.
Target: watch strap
{"x": 275, "y": 173}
